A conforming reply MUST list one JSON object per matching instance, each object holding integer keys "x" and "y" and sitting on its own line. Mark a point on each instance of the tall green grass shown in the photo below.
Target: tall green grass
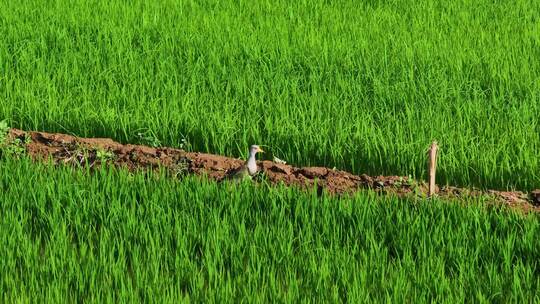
{"x": 66, "y": 234}
{"x": 361, "y": 85}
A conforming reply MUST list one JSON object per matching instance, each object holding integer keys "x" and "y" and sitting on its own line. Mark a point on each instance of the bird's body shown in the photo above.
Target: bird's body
{"x": 249, "y": 168}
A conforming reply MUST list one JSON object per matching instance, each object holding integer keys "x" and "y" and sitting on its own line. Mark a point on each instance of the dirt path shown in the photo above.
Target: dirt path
{"x": 66, "y": 149}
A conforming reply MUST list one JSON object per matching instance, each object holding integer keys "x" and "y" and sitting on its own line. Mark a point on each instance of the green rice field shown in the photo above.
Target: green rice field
{"x": 363, "y": 86}
{"x": 114, "y": 236}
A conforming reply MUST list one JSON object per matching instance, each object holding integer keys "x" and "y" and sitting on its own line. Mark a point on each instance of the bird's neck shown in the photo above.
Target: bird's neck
{"x": 252, "y": 159}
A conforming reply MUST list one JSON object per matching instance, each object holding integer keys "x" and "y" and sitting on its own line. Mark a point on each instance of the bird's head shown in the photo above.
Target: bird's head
{"x": 254, "y": 149}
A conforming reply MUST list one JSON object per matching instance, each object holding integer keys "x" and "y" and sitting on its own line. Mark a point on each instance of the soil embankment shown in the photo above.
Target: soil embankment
{"x": 67, "y": 149}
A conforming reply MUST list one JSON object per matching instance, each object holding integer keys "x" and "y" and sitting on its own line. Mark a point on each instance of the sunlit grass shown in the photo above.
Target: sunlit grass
{"x": 69, "y": 234}
{"x": 361, "y": 85}
{"x": 364, "y": 86}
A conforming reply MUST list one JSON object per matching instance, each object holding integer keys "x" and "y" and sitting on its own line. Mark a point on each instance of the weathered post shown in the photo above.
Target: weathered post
{"x": 432, "y": 167}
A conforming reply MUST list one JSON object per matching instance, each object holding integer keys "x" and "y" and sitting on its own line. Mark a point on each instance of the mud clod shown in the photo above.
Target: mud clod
{"x": 535, "y": 197}
{"x": 314, "y": 172}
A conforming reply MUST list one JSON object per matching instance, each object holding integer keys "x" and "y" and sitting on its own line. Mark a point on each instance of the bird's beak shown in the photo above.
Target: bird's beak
{"x": 261, "y": 150}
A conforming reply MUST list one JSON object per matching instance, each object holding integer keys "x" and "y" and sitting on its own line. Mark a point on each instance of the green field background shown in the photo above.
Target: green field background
{"x": 361, "y": 85}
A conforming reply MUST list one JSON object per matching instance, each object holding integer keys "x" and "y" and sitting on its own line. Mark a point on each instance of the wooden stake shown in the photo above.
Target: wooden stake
{"x": 432, "y": 167}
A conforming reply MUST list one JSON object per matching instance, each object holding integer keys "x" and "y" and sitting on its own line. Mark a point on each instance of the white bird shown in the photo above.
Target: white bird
{"x": 249, "y": 168}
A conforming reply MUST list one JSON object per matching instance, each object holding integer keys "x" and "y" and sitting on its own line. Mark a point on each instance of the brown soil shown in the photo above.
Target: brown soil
{"x": 66, "y": 149}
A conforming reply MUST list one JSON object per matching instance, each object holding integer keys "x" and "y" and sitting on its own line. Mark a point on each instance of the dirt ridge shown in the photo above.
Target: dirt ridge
{"x": 69, "y": 149}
